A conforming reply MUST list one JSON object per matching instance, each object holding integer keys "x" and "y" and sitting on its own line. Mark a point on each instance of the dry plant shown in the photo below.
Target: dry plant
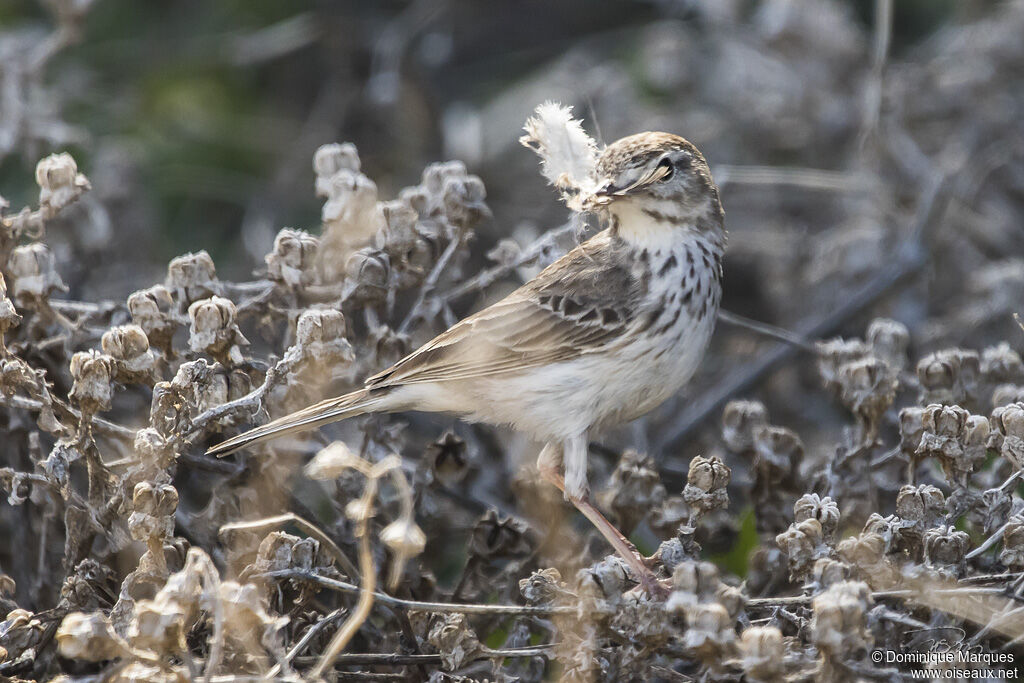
{"x": 408, "y": 548}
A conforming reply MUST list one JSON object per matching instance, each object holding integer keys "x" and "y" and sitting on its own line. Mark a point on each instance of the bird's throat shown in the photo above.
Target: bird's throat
{"x": 657, "y": 224}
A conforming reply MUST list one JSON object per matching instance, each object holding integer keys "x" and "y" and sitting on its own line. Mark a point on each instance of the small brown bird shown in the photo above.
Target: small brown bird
{"x": 599, "y": 337}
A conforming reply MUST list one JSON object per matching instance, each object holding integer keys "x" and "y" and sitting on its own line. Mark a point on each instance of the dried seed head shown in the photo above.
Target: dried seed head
{"x": 706, "y": 486}
{"x": 328, "y": 160}
{"x": 922, "y": 503}
{"x": 864, "y": 551}
{"x": 388, "y": 346}
{"x": 59, "y": 182}
{"x": 351, "y": 215}
{"x": 498, "y": 537}
{"x": 778, "y": 448}
{"x": 803, "y": 543}
{"x": 1012, "y": 554}
{"x": 8, "y": 315}
{"x": 463, "y": 199}
{"x": 813, "y": 506}
{"x": 213, "y": 330}
{"x": 867, "y": 387}
{"x": 710, "y": 631}
{"x": 505, "y": 253}
{"x": 293, "y": 260}
{"x": 693, "y": 582}
{"x": 834, "y": 354}
{"x": 945, "y": 546}
{"x": 455, "y": 640}
{"x": 153, "y": 449}
{"x": 839, "y": 625}
{"x": 633, "y": 490}
{"x": 192, "y": 277}
{"x": 911, "y": 429}
{"x": 33, "y": 273}
{"x": 93, "y": 374}
{"x": 129, "y": 347}
{"x": 762, "y": 654}
{"x": 1009, "y": 423}
{"x": 448, "y": 459}
{"x": 1002, "y": 365}
{"x": 154, "y": 506}
{"x": 153, "y": 310}
{"x": 398, "y": 237}
{"x": 159, "y": 626}
{"x": 740, "y": 421}
{"x": 889, "y": 341}
{"x": 367, "y": 273}
{"x": 949, "y": 376}
{"x": 321, "y": 349}
{"x": 280, "y": 551}
{"x": 955, "y": 438}
{"x": 90, "y": 637}
{"x": 542, "y": 586}
{"x": 1007, "y": 393}
{"x": 827, "y": 572}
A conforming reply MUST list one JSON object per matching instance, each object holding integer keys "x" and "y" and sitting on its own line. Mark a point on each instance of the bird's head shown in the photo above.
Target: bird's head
{"x": 660, "y": 176}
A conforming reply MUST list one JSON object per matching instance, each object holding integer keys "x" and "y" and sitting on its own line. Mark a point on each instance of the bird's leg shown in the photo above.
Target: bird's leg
{"x": 580, "y": 498}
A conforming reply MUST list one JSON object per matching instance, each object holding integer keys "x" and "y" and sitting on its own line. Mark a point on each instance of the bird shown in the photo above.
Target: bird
{"x": 600, "y": 337}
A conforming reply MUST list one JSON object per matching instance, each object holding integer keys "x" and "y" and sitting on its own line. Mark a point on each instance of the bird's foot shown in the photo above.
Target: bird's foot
{"x": 641, "y": 566}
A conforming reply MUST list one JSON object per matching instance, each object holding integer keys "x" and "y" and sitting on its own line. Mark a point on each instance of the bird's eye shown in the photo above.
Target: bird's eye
{"x": 667, "y": 170}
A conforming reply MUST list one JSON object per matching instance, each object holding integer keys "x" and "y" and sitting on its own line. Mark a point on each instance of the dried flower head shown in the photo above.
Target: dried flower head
{"x": 762, "y": 654}
{"x": 945, "y": 546}
{"x": 453, "y": 637}
{"x": 129, "y": 347}
{"x": 633, "y": 490}
{"x": 803, "y": 543}
{"x": 889, "y": 340}
{"x": 839, "y": 625}
{"x": 33, "y": 273}
{"x": 192, "y": 277}
{"x": 93, "y": 373}
{"x": 153, "y": 310}
{"x": 331, "y": 159}
{"x": 741, "y": 420}
{"x": 214, "y": 330}
{"x": 824, "y": 510}
{"x": 90, "y": 637}
{"x": 1012, "y": 554}
{"x": 923, "y": 503}
{"x": 59, "y": 182}
{"x": 293, "y": 260}
{"x": 949, "y": 376}
{"x": 542, "y": 586}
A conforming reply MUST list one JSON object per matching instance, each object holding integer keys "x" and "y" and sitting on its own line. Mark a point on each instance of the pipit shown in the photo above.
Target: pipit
{"x": 600, "y": 337}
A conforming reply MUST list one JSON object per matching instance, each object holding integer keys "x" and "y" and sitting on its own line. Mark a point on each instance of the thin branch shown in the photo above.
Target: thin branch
{"x": 767, "y": 330}
{"x": 806, "y": 178}
{"x": 438, "y": 607}
{"x": 486, "y": 278}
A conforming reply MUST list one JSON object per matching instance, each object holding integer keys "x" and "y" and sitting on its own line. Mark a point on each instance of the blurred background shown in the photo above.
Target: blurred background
{"x": 871, "y": 164}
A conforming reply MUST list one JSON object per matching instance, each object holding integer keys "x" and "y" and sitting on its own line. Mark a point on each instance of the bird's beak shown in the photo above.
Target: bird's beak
{"x": 611, "y": 189}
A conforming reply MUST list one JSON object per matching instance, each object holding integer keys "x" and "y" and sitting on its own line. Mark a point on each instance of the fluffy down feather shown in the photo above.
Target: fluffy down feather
{"x": 568, "y": 155}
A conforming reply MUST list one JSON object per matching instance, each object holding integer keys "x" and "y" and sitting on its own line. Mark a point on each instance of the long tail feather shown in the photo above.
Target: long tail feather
{"x": 331, "y": 410}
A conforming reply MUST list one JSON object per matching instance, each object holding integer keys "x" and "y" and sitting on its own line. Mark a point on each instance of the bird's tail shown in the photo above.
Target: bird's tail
{"x": 331, "y": 410}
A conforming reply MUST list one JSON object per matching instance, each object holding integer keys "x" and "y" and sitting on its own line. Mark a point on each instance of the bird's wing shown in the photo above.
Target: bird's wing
{"x": 580, "y": 304}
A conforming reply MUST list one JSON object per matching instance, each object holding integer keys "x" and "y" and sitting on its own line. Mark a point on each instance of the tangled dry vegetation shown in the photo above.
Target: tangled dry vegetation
{"x": 411, "y": 548}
